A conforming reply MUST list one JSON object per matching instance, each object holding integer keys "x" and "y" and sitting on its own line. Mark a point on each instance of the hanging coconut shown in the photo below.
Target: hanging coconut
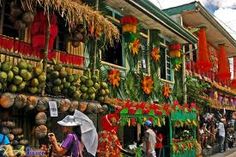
{"x": 31, "y": 102}
{"x": 42, "y": 104}
{"x": 28, "y": 18}
{"x": 74, "y": 105}
{"x": 17, "y": 131}
{"x": 83, "y": 106}
{"x": 78, "y": 36}
{"x": 40, "y": 131}
{"x": 75, "y": 43}
{"x": 11, "y": 137}
{"x": 19, "y": 25}
{"x": 7, "y": 100}
{"x": 24, "y": 142}
{"x": 9, "y": 124}
{"x": 64, "y": 105}
{"x": 20, "y": 101}
{"x": 41, "y": 118}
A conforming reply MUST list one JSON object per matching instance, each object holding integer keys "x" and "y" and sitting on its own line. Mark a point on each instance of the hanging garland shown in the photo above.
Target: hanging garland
{"x": 147, "y": 84}
{"x": 114, "y": 77}
{"x": 175, "y": 50}
{"x": 129, "y": 27}
{"x": 180, "y": 147}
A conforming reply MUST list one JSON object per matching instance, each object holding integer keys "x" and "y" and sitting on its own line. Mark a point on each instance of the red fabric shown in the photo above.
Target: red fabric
{"x": 203, "y": 62}
{"x": 107, "y": 124}
{"x": 38, "y": 31}
{"x": 223, "y": 74}
{"x": 159, "y": 141}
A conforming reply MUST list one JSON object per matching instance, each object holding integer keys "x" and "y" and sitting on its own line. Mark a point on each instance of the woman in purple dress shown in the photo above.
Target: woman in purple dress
{"x": 70, "y": 146}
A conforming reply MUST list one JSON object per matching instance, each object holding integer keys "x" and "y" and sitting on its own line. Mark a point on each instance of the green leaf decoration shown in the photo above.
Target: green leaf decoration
{"x": 139, "y": 112}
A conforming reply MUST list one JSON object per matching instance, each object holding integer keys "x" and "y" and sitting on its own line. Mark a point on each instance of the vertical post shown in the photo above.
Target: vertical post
{"x": 95, "y": 45}
{"x": 2, "y": 17}
{"x": 45, "y": 58}
{"x": 184, "y": 76}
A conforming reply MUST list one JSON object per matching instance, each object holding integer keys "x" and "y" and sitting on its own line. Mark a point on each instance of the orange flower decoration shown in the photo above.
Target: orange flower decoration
{"x": 135, "y": 46}
{"x": 147, "y": 84}
{"x": 166, "y": 90}
{"x": 155, "y": 54}
{"x": 114, "y": 77}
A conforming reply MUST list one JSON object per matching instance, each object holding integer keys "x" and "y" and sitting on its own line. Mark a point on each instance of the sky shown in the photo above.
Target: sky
{"x": 223, "y": 10}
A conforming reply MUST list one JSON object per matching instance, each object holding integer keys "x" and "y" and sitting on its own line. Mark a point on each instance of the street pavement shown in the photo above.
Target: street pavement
{"x": 228, "y": 153}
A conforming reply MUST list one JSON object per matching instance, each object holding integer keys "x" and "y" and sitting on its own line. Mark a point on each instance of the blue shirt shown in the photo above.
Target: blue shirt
{"x": 4, "y": 141}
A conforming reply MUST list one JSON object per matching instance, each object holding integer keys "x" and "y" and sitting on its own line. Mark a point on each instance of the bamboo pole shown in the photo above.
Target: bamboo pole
{"x": 45, "y": 58}
{"x": 95, "y": 46}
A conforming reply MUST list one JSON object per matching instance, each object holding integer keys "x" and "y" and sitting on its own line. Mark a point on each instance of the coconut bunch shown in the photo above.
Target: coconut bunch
{"x": 78, "y": 35}
{"x": 21, "y": 77}
{"x": 35, "y": 85}
{"x": 61, "y": 81}
{"x": 89, "y": 85}
{"x": 21, "y": 18}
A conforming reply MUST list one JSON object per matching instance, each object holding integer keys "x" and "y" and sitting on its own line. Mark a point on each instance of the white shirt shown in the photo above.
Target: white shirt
{"x": 150, "y": 135}
{"x": 221, "y": 129}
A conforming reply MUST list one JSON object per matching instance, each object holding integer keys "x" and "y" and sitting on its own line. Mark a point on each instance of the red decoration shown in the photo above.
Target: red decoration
{"x": 129, "y": 19}
{"x": 233, "y": 84}
{"x": 203, "y": 62}
{"x": 39, "y": 28}
{"x": 108, "y": 122}
{"x": 223, "y": 74}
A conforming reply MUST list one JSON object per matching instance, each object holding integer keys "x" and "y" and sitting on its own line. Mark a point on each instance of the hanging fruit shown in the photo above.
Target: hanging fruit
{"x": 114, "y": 77}
{"x": 147, "y": 84}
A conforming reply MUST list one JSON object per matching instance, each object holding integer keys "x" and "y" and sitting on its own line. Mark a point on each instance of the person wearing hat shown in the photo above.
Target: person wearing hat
{"x": 149, "y": 140}
{"x": 70, "y": 146}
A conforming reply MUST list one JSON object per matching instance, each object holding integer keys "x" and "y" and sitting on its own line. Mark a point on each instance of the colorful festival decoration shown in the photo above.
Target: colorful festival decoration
{"x": 203, "y": 62}
{"x": 134, "y": 47}
{"x": 155, "y": 54}
{"x": 223, "y": 65}
{"x": 129, "y": 27}
{"x": 166, "y": 90}
{"x": 175, "y": 50}
{"x": 114, "y": 77}
{"x": 147, "y": 84}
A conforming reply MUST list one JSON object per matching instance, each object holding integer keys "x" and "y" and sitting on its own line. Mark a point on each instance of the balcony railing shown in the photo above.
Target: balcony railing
{"x": 11, "y": 45}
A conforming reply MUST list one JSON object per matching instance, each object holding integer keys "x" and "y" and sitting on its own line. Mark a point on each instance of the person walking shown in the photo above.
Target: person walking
{"x": 70, "y": 145}
{"x": 149, "y": 140}
{"x": 221, "y": 129}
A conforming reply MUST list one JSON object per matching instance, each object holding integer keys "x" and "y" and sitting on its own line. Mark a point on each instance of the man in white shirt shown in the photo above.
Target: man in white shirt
{"x": 149, "y": 140}
{"x": 221, "y": 129}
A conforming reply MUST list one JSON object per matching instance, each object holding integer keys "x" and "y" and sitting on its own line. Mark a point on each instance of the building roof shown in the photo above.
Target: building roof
{"x": 153, "y": 18}
{"x": 215, "y": 32}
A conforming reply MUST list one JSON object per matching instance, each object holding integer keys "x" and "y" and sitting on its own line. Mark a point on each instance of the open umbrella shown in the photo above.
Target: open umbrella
{"x": 89, "y": 134}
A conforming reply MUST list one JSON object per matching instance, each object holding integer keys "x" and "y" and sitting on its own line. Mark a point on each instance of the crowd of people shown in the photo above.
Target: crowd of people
{"x": 217, "y": 129}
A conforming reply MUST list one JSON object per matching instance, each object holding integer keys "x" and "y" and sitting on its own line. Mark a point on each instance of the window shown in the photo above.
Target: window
{"x": 113, "y": 54}
{"x": 165, "y": 64}
{"x": 8, "y": 28}
{"x": 144, "y": 52}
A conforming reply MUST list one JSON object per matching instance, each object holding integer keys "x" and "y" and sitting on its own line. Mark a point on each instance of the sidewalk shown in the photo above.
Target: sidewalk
{"x": 228, "y": 153}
